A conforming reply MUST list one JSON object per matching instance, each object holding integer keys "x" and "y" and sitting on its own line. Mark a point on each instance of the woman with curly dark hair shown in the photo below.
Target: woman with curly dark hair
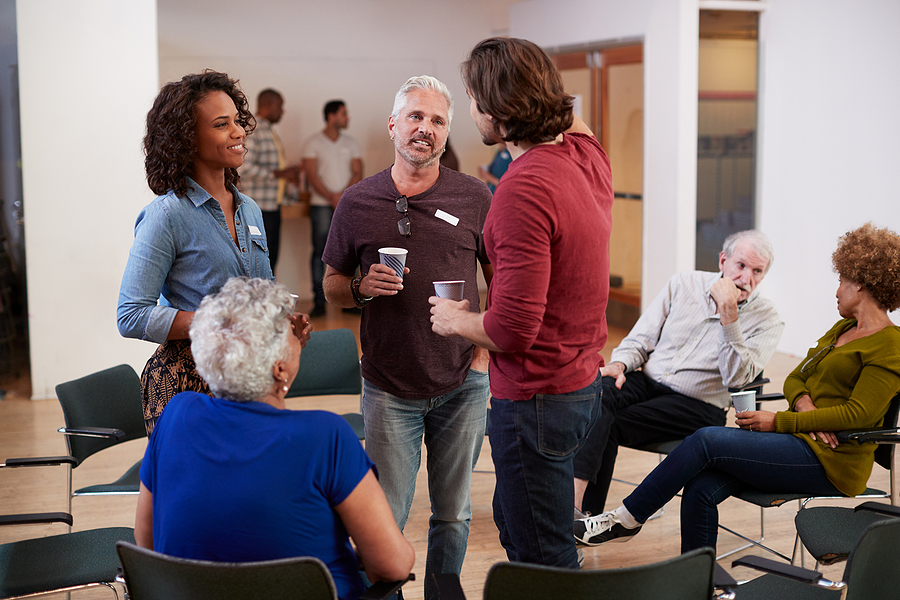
{"x": 196, "y": 234}
{"x": 845, "y": 382}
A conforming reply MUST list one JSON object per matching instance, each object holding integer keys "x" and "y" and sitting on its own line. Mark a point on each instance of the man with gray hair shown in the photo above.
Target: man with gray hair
{"x": 416, "y": 383}
{"x": 703, "y": 333}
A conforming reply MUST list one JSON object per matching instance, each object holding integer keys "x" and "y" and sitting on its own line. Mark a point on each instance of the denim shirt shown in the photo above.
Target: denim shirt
{"x": 183, "y": 251}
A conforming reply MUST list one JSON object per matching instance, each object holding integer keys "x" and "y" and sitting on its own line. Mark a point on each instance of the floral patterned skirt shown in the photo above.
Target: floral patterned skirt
{"x": 169, "y": 371}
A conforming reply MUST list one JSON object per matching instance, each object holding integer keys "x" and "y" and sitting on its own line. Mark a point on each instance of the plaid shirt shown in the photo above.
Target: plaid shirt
{"x": 261, "y": 159}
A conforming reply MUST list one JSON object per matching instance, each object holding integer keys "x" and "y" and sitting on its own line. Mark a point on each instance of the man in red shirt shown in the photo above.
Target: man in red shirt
{"x": 547, "y": 236}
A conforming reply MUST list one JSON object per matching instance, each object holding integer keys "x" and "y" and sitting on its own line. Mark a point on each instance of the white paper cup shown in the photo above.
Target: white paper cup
{"x": 744, "y": 401}
{"x": 294, "y": 298}
{"x": 452, "y": 290}
{"x": 394, "y": 258}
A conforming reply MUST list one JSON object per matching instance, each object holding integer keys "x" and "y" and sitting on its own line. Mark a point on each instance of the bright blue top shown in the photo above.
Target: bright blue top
{"x": 183, "y": 251}
{"x": 241, "y": 482}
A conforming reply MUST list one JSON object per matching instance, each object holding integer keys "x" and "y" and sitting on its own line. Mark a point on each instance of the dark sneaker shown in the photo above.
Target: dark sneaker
{"x": 605, "y": 527}
{"x": 581, "y": 515}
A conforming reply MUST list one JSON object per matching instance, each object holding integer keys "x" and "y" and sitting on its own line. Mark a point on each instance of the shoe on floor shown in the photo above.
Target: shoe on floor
{"x": 605, "y": 527}
{"x": 581, "y": 515}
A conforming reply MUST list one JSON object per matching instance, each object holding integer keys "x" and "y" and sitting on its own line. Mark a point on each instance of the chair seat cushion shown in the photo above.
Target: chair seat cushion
{"x": 60, "y": 561}
{"x": 830, "y": 532}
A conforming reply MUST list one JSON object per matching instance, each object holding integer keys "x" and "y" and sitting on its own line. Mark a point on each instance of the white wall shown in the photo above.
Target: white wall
{"x": 828, "y": 126}
{"x": 87, "y": 76}
{"x": 312, "y": 52}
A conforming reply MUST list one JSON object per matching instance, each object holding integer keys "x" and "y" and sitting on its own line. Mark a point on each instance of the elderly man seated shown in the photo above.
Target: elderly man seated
{"x": 703, "y": 333}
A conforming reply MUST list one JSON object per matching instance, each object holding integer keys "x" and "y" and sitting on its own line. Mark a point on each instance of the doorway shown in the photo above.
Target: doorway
{"x": 726, "y": 130}
{"x": 608, "y": 85}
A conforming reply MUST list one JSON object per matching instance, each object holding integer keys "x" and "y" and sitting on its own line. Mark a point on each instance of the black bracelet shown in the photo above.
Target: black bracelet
{"x": 358, "y": 300}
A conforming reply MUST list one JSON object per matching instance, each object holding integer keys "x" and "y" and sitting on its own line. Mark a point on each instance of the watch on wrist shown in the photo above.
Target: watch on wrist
{"x": 358, "y": 299}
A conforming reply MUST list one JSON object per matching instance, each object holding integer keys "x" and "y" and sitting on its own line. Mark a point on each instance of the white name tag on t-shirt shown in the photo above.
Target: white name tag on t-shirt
{"x": 447, "y": 217}
{"x": 254, "y": 230}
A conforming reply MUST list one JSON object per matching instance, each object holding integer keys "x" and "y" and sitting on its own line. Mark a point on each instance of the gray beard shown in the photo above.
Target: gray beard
{"x": 419, "y": 163}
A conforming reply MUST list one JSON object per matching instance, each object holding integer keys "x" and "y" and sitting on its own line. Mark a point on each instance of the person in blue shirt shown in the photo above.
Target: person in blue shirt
{"x": 196, "y": 234}
{"x": 492, "y": 173}
{"x": 237, "y": 477}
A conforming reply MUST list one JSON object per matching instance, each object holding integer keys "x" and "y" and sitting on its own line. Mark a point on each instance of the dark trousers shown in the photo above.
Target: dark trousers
{"x": 642, "y": 412}
{"x": 320, "y": 221}
{"x": 532, "y": 445}
{"x": 272, "y": 223}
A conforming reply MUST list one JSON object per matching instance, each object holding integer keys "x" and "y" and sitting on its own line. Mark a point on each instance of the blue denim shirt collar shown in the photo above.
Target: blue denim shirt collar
{"x": 198, "y": 196}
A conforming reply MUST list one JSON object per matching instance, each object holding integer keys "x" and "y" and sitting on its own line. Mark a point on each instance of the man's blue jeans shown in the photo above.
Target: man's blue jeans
{"x": 532, "y": 443}
{"x": 717, "y": 462}
{"x": 320, "y": 223}
{"x": 453, "y": 429}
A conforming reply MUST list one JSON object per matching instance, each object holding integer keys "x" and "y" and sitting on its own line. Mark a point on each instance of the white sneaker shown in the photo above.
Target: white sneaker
{"x": 605, "y": 527}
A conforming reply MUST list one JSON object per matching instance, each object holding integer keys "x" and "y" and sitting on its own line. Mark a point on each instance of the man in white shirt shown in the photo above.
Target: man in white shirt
{"x": 333, "y": 162}
{"x": 703, "y": 333}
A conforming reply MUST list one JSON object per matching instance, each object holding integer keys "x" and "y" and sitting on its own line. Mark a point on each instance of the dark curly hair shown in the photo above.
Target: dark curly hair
{"x": 170, "y": 144}
{"x": 515, "y": 82}
{"x": 870, "y": 257}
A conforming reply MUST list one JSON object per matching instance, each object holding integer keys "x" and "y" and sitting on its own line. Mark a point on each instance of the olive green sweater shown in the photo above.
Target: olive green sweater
{"x": 851, "y": 386}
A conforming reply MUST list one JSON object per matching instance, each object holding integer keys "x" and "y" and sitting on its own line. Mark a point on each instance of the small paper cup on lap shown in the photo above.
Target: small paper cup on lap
{"x": 394, "y": 258}
{"x": 744, "y": 401}
{"x": 452, "y": 290}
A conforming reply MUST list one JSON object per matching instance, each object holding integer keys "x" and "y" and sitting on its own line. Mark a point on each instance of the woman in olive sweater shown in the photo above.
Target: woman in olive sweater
{"x": 845, "y": 382}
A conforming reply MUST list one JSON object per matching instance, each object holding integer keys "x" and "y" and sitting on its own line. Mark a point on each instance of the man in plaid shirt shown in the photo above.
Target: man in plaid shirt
{"x": 265, "y": 174}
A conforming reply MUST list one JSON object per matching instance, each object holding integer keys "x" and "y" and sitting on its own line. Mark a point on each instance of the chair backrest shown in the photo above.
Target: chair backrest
{"x": 329, "y": 364}
{"x": 871, "y": 570}
{"x": 150, "y": 575}
{"x": 686, "y": 577}
{"x": 884, "y": 453}
{"x": 108, "y": 398}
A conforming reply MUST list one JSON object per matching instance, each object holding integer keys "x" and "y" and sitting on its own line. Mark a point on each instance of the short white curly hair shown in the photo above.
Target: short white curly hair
{"x": 238, "y": 334}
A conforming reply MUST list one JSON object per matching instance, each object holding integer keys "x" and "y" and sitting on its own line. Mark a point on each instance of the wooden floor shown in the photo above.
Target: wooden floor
{"x": 28, "y": 428}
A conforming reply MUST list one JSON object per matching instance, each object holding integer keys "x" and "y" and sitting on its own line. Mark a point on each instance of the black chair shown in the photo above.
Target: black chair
{"x": 685, "y": 577}
{"x": 100, "y": 410}
{"x": 150, "y": 575}
{"x": 329, "y": 365}
{"x": 59, "y": 563}
{"x": 871, "y": 572}
{"x": 829, "y": 532}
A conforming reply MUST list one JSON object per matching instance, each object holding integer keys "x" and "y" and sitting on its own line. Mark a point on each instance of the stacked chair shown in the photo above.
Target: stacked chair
{"x": 100, "y": 411}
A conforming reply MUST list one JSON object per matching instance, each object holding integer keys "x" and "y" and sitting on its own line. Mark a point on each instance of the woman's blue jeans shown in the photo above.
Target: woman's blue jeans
{"x": 717, "y": 462}
{"x": 533, "y": 443}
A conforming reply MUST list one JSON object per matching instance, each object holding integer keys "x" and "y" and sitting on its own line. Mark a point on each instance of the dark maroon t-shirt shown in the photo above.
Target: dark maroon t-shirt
{"x": 401, "y": 354}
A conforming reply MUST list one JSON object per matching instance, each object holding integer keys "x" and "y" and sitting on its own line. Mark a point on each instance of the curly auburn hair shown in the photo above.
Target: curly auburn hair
{"x": 870, "y": 257}
{"x": 170, "y": 144}
{"x": 515, "y": 82}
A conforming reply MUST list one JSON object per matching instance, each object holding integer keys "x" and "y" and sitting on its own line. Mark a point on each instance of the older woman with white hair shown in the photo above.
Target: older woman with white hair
{"x": 237, "y": 477}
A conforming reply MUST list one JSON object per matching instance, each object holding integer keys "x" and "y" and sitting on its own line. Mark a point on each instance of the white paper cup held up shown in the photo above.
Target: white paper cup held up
{"x": 744, "y": 401}
{"x": 452, "y": 290}
{"x": 394, "y": 258}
